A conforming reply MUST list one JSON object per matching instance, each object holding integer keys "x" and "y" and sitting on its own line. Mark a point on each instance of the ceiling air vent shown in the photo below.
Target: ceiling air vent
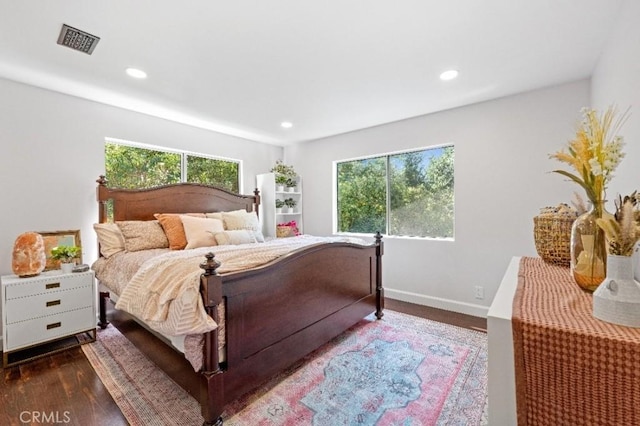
{"x": 77, "y": 39}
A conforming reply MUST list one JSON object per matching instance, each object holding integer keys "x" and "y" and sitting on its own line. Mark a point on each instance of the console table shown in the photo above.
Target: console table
{"x": 566, "y": 366}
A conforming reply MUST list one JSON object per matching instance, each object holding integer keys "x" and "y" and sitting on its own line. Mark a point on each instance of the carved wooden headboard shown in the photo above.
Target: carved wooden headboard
{"x": 142, "y": 204}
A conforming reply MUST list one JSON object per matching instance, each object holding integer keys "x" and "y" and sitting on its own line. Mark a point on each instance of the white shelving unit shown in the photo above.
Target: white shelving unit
{"x": 269, "y": 192}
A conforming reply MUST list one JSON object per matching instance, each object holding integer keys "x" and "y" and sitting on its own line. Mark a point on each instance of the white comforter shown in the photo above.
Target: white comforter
{"x": 164, "y": 293}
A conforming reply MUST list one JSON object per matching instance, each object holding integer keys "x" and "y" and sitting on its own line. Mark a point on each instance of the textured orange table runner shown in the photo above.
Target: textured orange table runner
{"x": 571, "y": 368}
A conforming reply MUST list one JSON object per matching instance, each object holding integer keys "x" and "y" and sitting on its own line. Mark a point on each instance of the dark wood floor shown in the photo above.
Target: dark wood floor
{"x": 64, "y": 388}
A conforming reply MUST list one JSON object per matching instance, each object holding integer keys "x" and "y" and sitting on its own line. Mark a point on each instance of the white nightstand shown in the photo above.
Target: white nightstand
{"x": 49, "y": 307}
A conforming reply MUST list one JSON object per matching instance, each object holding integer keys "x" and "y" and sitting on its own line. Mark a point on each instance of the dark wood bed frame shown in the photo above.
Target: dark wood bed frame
{"x": 275, "y": 314}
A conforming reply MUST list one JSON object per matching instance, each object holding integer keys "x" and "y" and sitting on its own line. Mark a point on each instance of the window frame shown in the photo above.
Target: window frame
{"x": 387, "y": 156}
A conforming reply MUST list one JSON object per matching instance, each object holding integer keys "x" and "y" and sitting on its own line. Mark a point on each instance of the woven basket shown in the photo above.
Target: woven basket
{"x": 283, "y": 231}
{"x": 552, "y": 235}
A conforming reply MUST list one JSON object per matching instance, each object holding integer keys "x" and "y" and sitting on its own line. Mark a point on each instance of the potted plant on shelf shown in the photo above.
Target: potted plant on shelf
{"x": 291, "y": 184}
{"x": 66, "y": 255}
{"x": 281, "y": 181}
{"x": 279, "y": 205}
{"x": 283, "y": 174}
{"x": 290, "y": 203}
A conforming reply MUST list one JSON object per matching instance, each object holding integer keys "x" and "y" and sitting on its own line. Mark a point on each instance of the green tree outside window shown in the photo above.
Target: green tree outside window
{"x": 406, "y": 194}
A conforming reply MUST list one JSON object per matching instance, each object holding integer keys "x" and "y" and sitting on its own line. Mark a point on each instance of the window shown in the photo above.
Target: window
{"x": 136, "y": 166}
{"x": 404, "y": 194}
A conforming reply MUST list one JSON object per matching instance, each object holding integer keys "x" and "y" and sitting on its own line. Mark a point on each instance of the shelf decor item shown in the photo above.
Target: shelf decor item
{"x": 29, "y": 258}
{"x": 279, "y": 205}
{"x": 291, "y": 184}
{"x": 617, "y": 299}
{"x": 552, "y": 233}
{"x": 290, "y": 203}
{"x": 66, "y": 255}
{"x": 60, "y": 238}
{"x": 289, "y": 229}
{"x": 284, "y": 175}
{"x": 594, "y": 154}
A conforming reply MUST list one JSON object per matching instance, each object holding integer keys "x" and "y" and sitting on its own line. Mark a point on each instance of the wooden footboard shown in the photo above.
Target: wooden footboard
{"x": 282, "y": 311}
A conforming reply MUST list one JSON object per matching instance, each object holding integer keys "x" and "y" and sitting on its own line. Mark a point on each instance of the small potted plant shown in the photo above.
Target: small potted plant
{"x": 283, "y": 173}
{"x": 291, "y": 184}
{"x": 279, "y": 205}
{"x": 66, "y": 255}
{"x": 281, "y": 181}
{"x": 290, "y": 203}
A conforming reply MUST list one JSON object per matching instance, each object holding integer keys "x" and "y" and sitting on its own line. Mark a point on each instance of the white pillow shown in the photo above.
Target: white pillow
{"x": 110, "y": 238}
{"x": 239, "y": 236}
{"x": 200, "y": 231}
{"x": 214, "y": 215}
{"x": 243, "y": 220}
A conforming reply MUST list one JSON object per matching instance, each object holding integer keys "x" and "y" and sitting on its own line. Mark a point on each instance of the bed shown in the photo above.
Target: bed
{"x": 274, "y": 314}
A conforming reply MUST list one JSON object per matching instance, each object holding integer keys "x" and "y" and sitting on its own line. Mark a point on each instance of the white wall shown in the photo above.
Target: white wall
{"x": 52, "y": 151}
{"x": 616, "y": 81}
{"x": 501, "y": 181}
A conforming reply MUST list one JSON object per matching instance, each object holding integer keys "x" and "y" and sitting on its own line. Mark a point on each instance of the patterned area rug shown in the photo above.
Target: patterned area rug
{"x": 402, "y": 370}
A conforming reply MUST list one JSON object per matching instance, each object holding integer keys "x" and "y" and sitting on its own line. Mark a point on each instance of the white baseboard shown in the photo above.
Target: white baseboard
{"x": 437, "y": 302}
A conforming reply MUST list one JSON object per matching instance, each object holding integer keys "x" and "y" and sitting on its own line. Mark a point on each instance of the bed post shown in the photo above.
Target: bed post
{"x": 256, "y": 203}
{"x": 102, "y": 201}
{"x": 379, "y": 289}
{"x": 103, "y": 296}
{"x": 212, "y": 384}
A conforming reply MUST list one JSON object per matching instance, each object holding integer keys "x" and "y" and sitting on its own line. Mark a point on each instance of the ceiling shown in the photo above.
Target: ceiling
{"x": 329, "y": 67}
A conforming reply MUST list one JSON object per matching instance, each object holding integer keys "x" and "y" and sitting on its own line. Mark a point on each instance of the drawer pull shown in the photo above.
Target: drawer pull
{"x": 54, "y": 325}
{"x": 53, "y": 303}
{"x": 52, "y": 285}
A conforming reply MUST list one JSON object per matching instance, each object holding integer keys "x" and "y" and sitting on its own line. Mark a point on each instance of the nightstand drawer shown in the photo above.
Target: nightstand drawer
{"x": 45, "y": 284}
{"x": 40, "y": 330}
{"x": 42, "y": 305}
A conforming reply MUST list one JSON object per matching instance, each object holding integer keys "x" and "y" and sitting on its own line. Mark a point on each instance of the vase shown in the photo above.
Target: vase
{"x": 67, "y": 268}
{"x": 589, "y": 249}
{"x": 617, "y": 299}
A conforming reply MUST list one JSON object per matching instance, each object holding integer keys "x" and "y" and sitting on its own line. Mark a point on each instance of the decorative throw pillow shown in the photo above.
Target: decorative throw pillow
{"x": 214, "y": 215}
{"x": 239, "y": 236}
{"x": 110, "y": 238}
{"x": 142, "y": 235}
{"x": 200, "y": 232}
{"x": 242, "y": 219}
{"x": 173, "y": 228}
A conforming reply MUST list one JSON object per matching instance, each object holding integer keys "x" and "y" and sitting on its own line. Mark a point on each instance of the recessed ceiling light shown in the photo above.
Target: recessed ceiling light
{"x": 449, "y": 75}
{"x": 136, "y": 73}
{"x": 286, "y": 124}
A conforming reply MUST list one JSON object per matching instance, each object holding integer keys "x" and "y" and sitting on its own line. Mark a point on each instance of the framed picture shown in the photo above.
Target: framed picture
{"x": 60, "y": 238}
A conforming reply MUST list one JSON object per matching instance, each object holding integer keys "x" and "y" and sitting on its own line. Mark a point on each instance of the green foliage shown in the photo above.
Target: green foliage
{"x": 284, "y": 170}
{"x": 210, "y": 171}
{"x": 439, "y": 175}
{"x": 133, "y": 168}
{"x": 291, "y": 182}
{"x": 421, "y": 197}
{"x": 362, "y": 203}
{"x": 279, "y": 203}
{"x": 290, "y": 202}
{"x": 65, "y": 254}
